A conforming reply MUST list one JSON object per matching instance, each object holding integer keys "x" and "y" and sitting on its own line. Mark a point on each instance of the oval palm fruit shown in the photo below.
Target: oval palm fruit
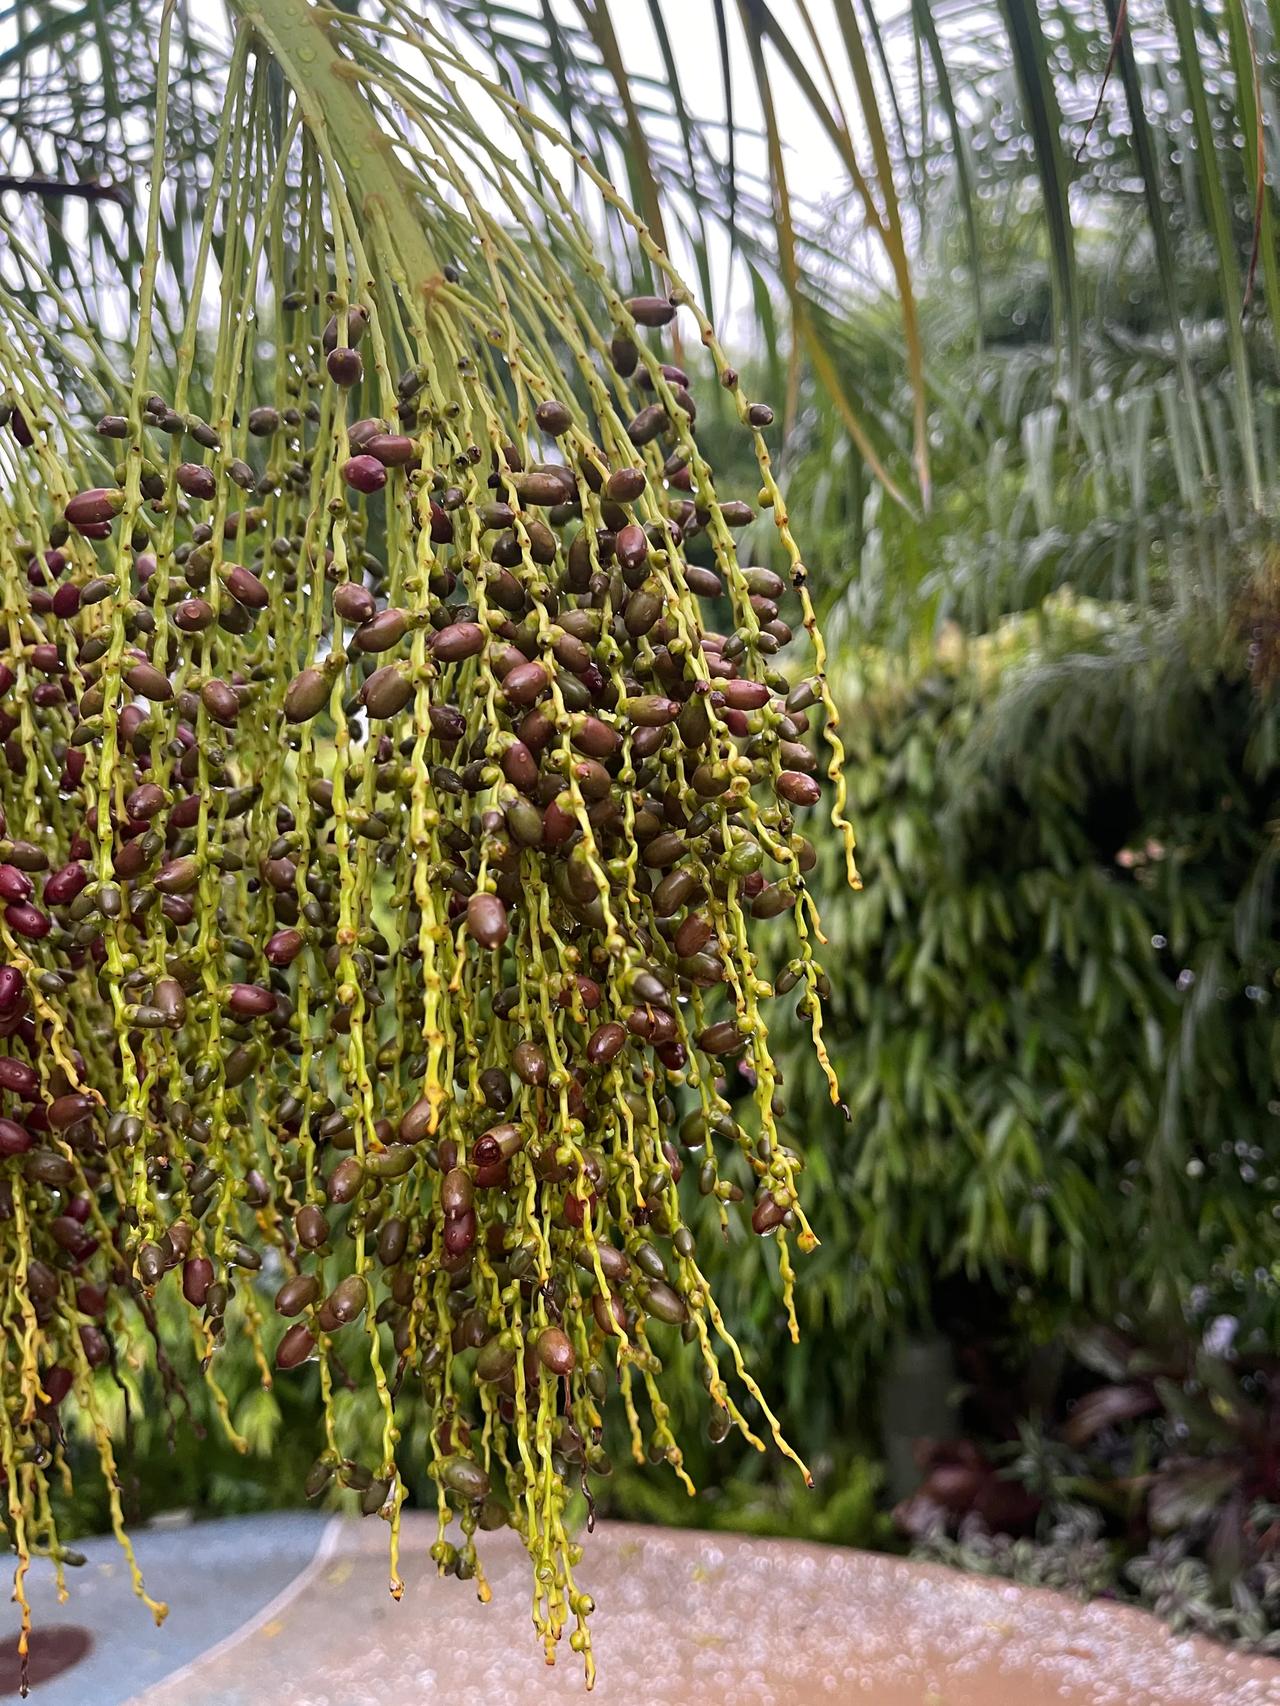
{"x": 344, "y": 1304}
{"x": 745, "y": 695}
{"x": 594, "y": 781}
{"x": 352, "y": 324}
{"x": 145, "y": 801}
{"x": 14, "y": 1138}
{"x": 221, "y": 701}
{"x": 650, "y": 710}
{"x": 345, "y": 366}
{"x": 530, "y": 1064}
{"x": 457, "y": 1190}
{"x": 245, "y": 587}
{"x": 374, "y": 1495}
{"x": 487, "y": 920}
{"x": 664, "y": 849}
{"x": 459, "y": 1233}
{"x": 364, "y": 473}
{"x": 595, "y": 737}
{"x": 555, "y": 1351}
{"x": 465, "y": 1478}
{"x": 311, "y": 1226}
{"x": 18, "y": 1077}
{"x": 544, "y": 486}
{"x": 660, "y": 1300}
{"x": 297, "y": 1345}
{"x": 318, "y": 1476}
{"x": 69, "y": 1110}
{"x": 646, "y": 426}
{"x": 610, "y": 1314}
{"x": 553, "y": 417}
{"x": 767, "y": 1214}
{"x": 705, "y": 583}
{"x": 723, "y": 1038}
{"x": 297, "y": 1294}
{"x": 345, "y": 1180}
{"x": 15, "y": 884}
{"x": 520, "y": 767}
{"x": 692, "y": 936}
{"x": 178, "y": 876}
{"x": 631, "y": 545}
{"x": 642, "y": 611}
{"x": 194, "y": 615}
{"x": 798, "y": 789}
{"x": 151, "y": 1264}
{"x": 526, "y": 683}
{"x": 495, "y": 1361}
{"x": 306, "y": 694}
{"x": 606, "y": 1043}
{"x": 524, "y": 820}
{"x": 392, "y": 1163}
{"x": 771, "y": 902}
{"x": 197, "y": 1277}
{"x": 250, "y": 1000}
{"x": 392, "y": 449}
{"x": 93, "y": 508}
{"x": 651, "y": 310}
{"x": 196, "y": 480}
{"x": 283, "y": 948}
{"x": 393, "y": 1241}
{"x": 625, "y": 485}
{"x": 624, "y": 355}
{"x": 382, "y": 631}
{"x": 353, "y": 603}
{"x": 417, "y": 1122}
{"x": 459, "y": 640}
{"x": 169, "y": 999}
{"x": 145, "y": 679}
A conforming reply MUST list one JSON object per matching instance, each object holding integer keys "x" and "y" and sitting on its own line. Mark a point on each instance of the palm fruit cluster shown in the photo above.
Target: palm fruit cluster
{"x": 403, "y": 772}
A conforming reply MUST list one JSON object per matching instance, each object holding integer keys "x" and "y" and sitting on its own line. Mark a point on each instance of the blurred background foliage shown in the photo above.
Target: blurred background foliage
{"x": 1023, "y": 344}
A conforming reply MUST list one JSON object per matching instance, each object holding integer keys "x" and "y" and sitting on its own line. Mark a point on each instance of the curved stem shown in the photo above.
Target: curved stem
{"x": 333, "y": 108}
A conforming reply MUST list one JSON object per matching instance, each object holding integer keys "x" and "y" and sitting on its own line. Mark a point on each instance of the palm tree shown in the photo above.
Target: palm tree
{"x": 385, "y": 827}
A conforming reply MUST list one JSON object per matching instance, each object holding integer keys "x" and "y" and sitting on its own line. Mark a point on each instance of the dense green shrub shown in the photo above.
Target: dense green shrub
{"x": 1055, "y": 997}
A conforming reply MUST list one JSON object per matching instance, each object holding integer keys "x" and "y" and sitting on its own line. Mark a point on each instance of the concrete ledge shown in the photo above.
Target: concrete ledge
{"x": 294, "y": 1611}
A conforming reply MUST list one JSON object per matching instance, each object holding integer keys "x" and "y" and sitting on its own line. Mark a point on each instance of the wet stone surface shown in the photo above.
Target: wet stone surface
{"x": 102, "y": 1648}
{"x": 686, "y": 1618}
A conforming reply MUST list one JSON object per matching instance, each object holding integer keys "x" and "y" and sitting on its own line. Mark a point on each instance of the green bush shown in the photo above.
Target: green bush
{"x": 1054, "y": 998}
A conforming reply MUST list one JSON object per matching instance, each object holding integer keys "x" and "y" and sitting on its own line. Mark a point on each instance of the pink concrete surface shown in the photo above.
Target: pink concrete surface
{"x": 698, "y": 1619}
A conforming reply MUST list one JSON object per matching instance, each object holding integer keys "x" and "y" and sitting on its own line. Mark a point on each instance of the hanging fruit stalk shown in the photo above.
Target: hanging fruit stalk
{"x": 403, "y": 769}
